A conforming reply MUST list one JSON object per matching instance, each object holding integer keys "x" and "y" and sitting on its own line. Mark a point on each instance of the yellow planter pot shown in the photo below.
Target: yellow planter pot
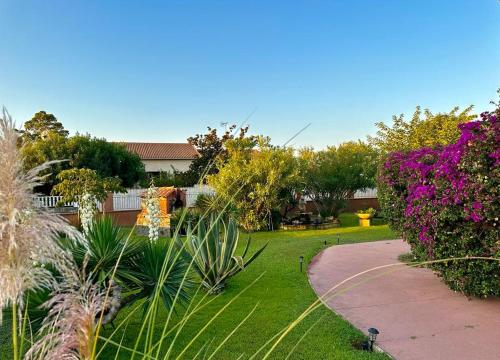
{"x": 364, "y": 219}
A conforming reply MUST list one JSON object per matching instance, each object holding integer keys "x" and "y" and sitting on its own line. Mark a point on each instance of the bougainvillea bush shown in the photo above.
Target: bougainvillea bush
{"x": 445, "y": 202}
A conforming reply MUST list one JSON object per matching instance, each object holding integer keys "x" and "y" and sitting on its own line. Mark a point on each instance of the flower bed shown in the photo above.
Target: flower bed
{"x": 445, "y": 202}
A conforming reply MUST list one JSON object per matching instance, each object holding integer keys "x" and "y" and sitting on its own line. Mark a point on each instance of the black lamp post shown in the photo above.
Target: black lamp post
{"x": 338, "y": 239}
{"x": 372, "y": 336}
{"x": 301, "y": 260}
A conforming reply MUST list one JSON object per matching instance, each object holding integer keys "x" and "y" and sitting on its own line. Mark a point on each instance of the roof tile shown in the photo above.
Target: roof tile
{"x": 162, "y": 151}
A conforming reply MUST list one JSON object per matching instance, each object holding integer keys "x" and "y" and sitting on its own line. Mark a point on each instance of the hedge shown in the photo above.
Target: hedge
{"x": 445, "y": 202}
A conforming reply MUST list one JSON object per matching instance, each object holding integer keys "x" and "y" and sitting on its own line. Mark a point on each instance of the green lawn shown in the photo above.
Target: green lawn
{"x": 282, "y": 294}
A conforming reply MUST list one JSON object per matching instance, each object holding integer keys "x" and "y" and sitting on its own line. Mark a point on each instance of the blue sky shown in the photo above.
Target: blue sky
{"x": 164, "y": 70}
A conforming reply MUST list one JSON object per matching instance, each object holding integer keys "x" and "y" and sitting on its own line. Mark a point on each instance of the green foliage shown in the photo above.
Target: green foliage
{"x": 430, "y": 130}
{"x": 106, "y": 244}
{"x": 212, "y": 150}
{"x": 370, "y": 211}
{"x": 444, "y": 201}
{"x": 332, "y": 175}
{"x": 213, "y": 252}
{"x": 51, "y": 148}
{"x": 140, "y": 267}
{"x": 41, "y": 125}
{"x": 43, "y": 143}
{"x": 161, "y": 269}
{"x": 106, "y": 158}
{"x": 77, "y": 182}
{"x": 253, "y": 179}
{"x": 181, "y": 218}
{"x": 166, "y": 178}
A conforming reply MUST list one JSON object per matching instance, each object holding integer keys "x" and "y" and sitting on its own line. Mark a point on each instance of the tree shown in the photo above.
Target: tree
{"x": 427, "y": 131}
{"x": 82, "y": 152}
{"x": 74, "y": 183}
{"x": 332, "y": 175}
{"x": 40, "y": 125}
{"x": 252, "y": 179}
{"x": 52, "y": 147}
{"x": 211, "y": 148}
{"x": 106, "y": 158}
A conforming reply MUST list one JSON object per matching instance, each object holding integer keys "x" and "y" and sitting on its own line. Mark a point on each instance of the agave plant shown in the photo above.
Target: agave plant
{"x": 212, "y": 252}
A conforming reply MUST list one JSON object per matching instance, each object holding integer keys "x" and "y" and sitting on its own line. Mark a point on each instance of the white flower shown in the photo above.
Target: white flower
{"x": 153, "y": 213}
{"x": 88, "y": 209}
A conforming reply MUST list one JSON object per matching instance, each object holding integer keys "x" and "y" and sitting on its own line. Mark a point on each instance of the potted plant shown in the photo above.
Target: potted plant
{"x": 365, "y": 216}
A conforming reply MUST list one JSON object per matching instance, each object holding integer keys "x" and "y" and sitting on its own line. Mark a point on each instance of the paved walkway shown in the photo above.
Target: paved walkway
{"x": 417, "y": 315}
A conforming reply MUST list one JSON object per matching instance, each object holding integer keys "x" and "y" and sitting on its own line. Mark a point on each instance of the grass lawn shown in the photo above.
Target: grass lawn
{"x": 282, "y": 294}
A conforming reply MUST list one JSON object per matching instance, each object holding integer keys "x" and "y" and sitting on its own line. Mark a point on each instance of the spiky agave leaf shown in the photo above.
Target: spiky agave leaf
{"x": 28, "y": 235}
{"x": 212, "y": 252}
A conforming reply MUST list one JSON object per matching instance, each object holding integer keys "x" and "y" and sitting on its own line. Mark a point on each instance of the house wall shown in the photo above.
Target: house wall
{"x": 166, "y": 165}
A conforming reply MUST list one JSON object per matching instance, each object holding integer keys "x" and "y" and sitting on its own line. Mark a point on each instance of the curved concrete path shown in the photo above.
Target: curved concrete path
{"x": 417, "y": 315}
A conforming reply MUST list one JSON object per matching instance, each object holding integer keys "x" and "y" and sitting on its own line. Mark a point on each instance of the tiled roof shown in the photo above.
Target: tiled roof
{"x": 162, "y": 151}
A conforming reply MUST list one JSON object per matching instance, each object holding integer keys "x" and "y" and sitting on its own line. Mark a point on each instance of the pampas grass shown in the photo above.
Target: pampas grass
{"x": 28, "y": 236}
{"x": 69, "y": 330}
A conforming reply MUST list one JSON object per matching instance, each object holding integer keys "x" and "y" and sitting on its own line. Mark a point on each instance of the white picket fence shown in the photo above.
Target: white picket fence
{"x": 50, "y": 202}
{"x": 366, "y": 194}
{"x": 193, "y": 192}
{"x": 131, "y": 200}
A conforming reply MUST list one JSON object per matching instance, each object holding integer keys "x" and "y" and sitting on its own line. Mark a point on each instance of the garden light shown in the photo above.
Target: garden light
{"x": 301, "y": 260}
{"x": 372, "y": 336}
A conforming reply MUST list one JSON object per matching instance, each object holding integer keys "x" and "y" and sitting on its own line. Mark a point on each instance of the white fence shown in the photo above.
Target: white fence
{"x": 132, "y": 199}
{"x": 51, "y": 202}
{"x": 129, "y": 201}
{"x": 367, "y": 194}
{"x": 193, "y": 192}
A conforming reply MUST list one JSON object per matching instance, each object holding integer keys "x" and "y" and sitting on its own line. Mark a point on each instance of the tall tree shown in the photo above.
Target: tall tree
{"x": 211, "y": 149}
{"x": 253, "y": 179}
{"x": 332, "y": 175}
{"x": 78, "y": 182}
{"x": 106, "y": 158}
{"x": 421, "y": 131}
{"x": 40, "y": 125}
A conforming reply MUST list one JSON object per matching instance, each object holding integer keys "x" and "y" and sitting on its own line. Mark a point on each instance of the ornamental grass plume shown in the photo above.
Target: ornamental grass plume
{"x": 69, "y": 330}
{"x": 28, "y": 235}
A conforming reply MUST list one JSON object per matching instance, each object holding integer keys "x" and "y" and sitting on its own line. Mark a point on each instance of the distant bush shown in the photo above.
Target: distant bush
{"x": 444, "y": 201}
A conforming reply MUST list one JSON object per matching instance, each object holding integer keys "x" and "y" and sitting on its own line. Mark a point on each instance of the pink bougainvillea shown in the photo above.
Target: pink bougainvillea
{"x": 445, "y": 202}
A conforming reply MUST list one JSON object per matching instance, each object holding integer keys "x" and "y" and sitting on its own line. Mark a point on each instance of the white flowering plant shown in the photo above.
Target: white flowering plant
{"x": 153, "y": 213}
{"x": 88, "y": 209}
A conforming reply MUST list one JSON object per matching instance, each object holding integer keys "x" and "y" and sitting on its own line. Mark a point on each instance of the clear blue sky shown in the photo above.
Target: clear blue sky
{"x": 164, "y": 70}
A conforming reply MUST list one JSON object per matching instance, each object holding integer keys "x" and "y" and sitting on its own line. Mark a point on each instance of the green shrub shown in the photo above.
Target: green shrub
{"x": 213, "y": 253}
{"x": 444, "y": 201}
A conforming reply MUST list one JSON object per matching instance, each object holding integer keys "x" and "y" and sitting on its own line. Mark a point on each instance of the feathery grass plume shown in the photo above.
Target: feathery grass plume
{"x": 69, "y": 330}
{"x": 28, "y": 235}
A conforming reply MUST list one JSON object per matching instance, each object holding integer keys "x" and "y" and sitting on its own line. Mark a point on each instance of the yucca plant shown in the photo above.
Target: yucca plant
{"x": 212, "y": 251}
{"x": 105, "y": 243}
{"x": 148, "y": 266}
{"x": 131, "y": 266}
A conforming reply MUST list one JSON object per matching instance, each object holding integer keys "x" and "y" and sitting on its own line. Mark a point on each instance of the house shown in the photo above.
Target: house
{"x": 163, "y": 157}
